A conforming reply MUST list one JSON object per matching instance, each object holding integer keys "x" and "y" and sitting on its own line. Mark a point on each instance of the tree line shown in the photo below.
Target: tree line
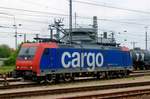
{"x": 7, "y": 52}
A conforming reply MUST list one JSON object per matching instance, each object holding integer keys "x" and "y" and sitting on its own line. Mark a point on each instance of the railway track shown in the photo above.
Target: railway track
{"x": 10, "y": 80}
{"x": 141, "y": 71}
{"x": 60, "y": 90}
{"x": 17, "y": 83}
{"x": 31, "y": 85}
{"x": 126, "y": 93}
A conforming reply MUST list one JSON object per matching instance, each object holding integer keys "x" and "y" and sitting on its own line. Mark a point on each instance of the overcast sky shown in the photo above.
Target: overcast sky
{"x": 114, "y": 15}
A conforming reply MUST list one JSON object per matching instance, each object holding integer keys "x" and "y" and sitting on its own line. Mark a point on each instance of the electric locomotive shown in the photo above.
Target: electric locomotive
{"x": 53, "y": 60}
{"x": 78, "y": 54}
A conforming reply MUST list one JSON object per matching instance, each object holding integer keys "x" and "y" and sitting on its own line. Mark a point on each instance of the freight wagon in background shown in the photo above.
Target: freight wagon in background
{"x": 85, "y": 55}
{"x": 140, "y": 58}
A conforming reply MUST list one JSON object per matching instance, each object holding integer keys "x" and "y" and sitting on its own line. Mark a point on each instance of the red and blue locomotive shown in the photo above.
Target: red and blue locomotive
{"x": 85, "y": 56}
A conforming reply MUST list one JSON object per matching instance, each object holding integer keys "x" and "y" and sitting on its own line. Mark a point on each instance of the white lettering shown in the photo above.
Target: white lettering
{"x": 142, "y": 57}
{"x": 65, "y": 54}
{"x": 91, "y": 61}
{"x": 83, "y": 55}
{"x": 99, "y": 64}
{"x": 137, "y": 56}
{"x": 76, "y": 59}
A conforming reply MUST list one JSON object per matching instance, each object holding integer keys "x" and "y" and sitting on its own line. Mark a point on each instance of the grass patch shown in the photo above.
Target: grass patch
{"x": 6, "y": 69}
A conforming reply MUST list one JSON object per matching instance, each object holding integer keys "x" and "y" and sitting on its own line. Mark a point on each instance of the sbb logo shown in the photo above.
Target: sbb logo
{"x": 76, "y": 59}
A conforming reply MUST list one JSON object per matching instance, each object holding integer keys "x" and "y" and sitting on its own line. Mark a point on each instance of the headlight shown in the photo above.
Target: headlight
{"x": 17, "y": 67}
{"x": 30, "y": 67}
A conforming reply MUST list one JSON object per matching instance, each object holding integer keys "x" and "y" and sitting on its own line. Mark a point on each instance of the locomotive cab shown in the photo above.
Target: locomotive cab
{"x": 28, "y": 59}
{"x": 26, "y": 55}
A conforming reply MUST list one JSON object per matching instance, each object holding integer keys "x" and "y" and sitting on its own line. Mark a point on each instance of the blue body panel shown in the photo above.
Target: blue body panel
{"x": 87, "y": 59}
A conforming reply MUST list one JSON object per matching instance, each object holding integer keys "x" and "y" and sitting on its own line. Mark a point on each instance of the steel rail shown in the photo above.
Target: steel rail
{"x": 114, "y": 95}
{"x": 71, "y": 90}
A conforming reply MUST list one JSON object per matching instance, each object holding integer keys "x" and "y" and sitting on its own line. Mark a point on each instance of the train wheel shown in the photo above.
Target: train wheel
{"x": 103, "y": 75}
{"x": 40, "y": 80}
{"x": 67, "y": 77}
{"x": 141, "y": 67}
{"x": 50, "y": 79}
{"x": 135, "y": 67}
{"x": 107, "y": 75}
{"x": 120, "y": 74}
{"x": 126, "y": 73}
{"x": 98, "y": 75}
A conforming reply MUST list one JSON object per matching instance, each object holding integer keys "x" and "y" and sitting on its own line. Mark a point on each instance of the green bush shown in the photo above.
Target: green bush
{"x": 5, "y": 51}
{"x": 11, "y": 60}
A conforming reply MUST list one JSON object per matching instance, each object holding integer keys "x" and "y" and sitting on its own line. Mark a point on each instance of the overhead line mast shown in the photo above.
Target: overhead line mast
{"x": 146, "y": 37}
{"x": 70, "y": 21}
